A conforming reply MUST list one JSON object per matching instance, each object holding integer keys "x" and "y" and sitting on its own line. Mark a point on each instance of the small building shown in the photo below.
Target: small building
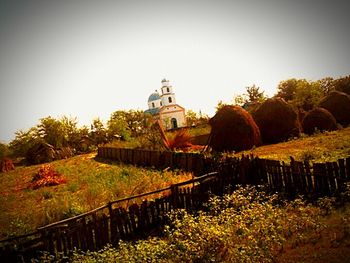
{"x": 164, "y": 107}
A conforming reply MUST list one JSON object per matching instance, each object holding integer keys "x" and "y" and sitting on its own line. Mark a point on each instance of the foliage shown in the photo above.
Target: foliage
{"x": 23, "y": 141}
{"x": 4, "y": 150}
{"x": 254, "y": 94}
{"x": 194, "y": 119}
{"x": 286, "y": 89}
{"x": 342, "y": 84}
{"x": 305, "y": 94}
{"x": 220, "y": 105}
{"x": 128, "y": 124}
{"x": 98, "y": 133}
{"x": 247, "y": 226}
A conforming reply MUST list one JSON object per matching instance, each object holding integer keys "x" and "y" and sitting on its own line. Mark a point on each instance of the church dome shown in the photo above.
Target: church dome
{"x": 154, "y": 96}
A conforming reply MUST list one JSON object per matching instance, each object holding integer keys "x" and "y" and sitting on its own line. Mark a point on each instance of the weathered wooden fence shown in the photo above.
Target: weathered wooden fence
{"x": 125, "y": 219}
{"x": 193, "y": 162}
{"x": 140, "y": 215}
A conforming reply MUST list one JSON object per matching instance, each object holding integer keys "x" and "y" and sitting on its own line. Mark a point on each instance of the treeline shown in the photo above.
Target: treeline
{"x": 56, "y": 138}
{"x": 300, "y": 93}
{"x": 64, "y": 133}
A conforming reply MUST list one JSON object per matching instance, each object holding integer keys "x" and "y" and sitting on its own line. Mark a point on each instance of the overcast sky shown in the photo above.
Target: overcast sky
{"x": 86, "y": 59}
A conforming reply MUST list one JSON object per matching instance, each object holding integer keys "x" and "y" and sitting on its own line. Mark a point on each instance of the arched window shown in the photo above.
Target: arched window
{"x": 153, "y": 105}
{"x": 170, "y": 100}
{"x": 167, "y": 89}
{"x": 161, "y": 104}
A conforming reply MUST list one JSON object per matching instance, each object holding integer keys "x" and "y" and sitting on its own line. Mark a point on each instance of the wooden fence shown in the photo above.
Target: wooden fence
{"x": 138, "y": 216}
{"x": 113, "y": 221}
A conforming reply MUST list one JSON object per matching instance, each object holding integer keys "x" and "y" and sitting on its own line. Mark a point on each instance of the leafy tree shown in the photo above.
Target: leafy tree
{"x": 286, "y": 89}
{"x": 327, "y": 85}
{"x": 23, "y": 141}
{"x": 220, "y": 105}
{"x": 239, "y": 100}
{"x": 254, "y": 94}
{"x": 191, "y": 118}
{"x": 4, "y": 150}
{"x": 98, "y": 132}
{"x": 117, "y": 125}
{"x": 307, "y": 95}
{"x": 52, "y": 131}
{"x": 343, "y": 84}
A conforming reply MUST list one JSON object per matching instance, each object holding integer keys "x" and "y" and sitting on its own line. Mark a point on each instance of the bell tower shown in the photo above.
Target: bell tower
{"x": 168, "y": 96}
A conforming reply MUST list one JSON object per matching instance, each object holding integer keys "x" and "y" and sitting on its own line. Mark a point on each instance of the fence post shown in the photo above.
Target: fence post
{"x": 174, "y": 195}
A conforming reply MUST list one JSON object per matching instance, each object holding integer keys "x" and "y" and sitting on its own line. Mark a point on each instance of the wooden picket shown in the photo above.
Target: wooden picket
{"x": 118, "y": 220}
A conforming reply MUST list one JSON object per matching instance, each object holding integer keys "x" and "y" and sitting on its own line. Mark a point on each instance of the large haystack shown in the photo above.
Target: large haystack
{"x": 233, "y": 129}
{"x": 41, "y": 152}
{"x": 338, "y": 103}
{"x": 276, "y": 120}
{"x": 318, "y": 119}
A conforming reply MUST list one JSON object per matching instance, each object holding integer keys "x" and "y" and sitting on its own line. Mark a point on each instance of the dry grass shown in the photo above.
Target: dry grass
{"x": 89, "y": 184}
{"x": 328, "y": 146}
{"x": 332, "y": 244}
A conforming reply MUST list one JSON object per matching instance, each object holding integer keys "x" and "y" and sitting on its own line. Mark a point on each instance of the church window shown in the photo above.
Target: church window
{"x": 167, "y": 89}
{"x": 153, "y": 105}
{"x": 161, "y": 104}
{"x": 170, "y": 100}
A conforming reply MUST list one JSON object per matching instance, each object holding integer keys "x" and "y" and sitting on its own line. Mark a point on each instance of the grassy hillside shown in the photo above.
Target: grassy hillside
{"x": 322, "y": 147}
{"x": 90, "y": 184}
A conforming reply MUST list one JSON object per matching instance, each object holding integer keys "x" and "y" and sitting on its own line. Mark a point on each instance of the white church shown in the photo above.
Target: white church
{"x": 163, "y": 107}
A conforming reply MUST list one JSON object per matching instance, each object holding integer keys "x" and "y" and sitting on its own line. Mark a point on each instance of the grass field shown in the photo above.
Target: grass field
{"x": 90, "y": 184}
{"x": 322, "y": 147}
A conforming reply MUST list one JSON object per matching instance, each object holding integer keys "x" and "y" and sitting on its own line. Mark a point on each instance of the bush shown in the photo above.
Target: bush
{"x": 247, "y": 226}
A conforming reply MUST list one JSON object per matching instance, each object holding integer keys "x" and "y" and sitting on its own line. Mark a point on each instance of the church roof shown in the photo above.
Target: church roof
{"x": 154, "y": 96}
{"x": 152, "y": 111}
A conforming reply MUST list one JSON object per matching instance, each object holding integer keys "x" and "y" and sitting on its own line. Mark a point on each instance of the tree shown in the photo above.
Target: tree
{"x": 286, "y": 89}
{"x": 327, "y": 85}
{"x": 4, "y": 150}
{"x": 254, "y": 95}
{"x": 307, "y": 95}
{"x": 220, "y": 105}
{"x": 343, "y": 84}
{"x": 239, "y": 100}
{"x": 52, "y": 131}
{"x": 23, "y": 141}
{"x": 98, "y": 132}
{"x": 117, "y": 125}
{"x": 191, "y": 118}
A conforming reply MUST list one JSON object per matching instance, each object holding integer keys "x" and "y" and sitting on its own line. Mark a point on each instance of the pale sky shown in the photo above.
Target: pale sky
{"x": 87, "y": 59}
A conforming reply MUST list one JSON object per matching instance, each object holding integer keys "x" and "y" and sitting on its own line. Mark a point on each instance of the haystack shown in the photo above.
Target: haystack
{"x": 276, "y": 120}
{"x": 6, "y": 165}
{"x": 233, "y": 129}
{"x": 41, "y": 152}
{"x": 338, "y": 103}
{"x": 318, "y": 119}
{"x": 46, "y": 176}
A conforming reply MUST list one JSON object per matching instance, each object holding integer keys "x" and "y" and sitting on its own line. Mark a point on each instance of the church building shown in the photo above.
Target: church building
{"x": 163, "y": 107}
